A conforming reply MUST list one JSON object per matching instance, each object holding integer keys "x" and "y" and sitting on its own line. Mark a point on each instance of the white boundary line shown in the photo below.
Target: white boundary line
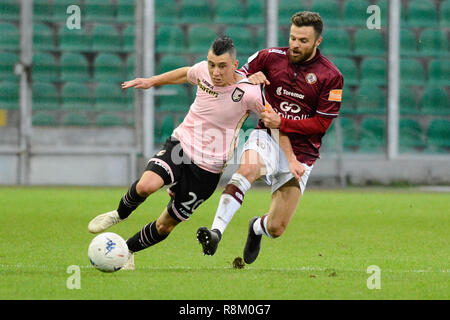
{"x": 315, "y": 269}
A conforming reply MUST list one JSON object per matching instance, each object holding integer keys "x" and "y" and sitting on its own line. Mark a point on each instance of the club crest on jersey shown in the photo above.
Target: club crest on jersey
{"x": 311, "y": 78}
{"x": 159, "y": 154}
{"x": 237, "y": 95}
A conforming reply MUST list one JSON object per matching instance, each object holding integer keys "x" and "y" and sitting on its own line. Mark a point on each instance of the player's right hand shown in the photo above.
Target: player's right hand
{"x": 138, "y": 83}
{"x": 258, "y": 78}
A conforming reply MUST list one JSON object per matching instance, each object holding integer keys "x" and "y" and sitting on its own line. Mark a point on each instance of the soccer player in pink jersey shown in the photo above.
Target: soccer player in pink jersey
{"x": 192, "y": 159}
{"x": 305, "y": 89}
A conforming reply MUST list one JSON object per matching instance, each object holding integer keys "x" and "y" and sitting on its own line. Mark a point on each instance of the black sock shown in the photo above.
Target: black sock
{"x": 129, "y": 202}
{"x": 147, "y": 237}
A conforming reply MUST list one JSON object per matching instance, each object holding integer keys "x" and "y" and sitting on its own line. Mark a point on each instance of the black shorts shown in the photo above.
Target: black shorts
{"x": 189, "y": 184}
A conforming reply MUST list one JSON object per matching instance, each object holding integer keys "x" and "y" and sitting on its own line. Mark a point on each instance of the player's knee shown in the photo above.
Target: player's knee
{"x": 249, "y": 171}
{"x": 145, "y": 188}
{"x": 164, "y": 227}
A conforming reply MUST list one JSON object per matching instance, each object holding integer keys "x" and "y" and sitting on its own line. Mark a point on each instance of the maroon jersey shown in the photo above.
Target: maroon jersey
{"x": 297, "y": 92}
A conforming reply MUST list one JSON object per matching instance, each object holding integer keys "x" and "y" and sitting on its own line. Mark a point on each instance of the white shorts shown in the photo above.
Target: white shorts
{"x": 277, "y": 165}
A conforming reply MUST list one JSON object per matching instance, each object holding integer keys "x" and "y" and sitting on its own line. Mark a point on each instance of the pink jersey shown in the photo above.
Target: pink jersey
{"x": 216, "y": 115}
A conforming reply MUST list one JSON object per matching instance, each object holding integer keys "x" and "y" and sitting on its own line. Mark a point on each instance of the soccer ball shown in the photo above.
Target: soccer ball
{"x": 108, "y": 252}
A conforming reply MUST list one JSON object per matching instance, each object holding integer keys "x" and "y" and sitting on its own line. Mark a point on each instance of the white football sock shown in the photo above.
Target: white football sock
{"x": 259, "y": 229}
{"x": 230, "y": 201}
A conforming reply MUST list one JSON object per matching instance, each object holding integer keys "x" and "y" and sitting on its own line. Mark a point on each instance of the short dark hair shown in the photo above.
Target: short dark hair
{"x": 307, "y": 18}
{"x": 223, "y": 45}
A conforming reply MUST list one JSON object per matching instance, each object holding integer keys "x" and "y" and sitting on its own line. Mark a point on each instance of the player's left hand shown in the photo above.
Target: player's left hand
{"x": 297, "y": 169}
{"x": 270, "y": 118}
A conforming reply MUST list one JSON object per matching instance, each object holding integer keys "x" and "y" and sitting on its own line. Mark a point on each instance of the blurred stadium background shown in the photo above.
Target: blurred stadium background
{"x": 65, "y": 121}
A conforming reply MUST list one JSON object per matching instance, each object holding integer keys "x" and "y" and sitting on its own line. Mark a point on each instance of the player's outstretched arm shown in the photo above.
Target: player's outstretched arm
{"x": 258, "y": 78}
{"x": 176, "y": 76}
{"x": 295, "y": 166}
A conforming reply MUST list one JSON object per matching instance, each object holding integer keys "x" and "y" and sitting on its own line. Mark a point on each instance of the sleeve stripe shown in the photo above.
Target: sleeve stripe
{"x": 328, "y": 114}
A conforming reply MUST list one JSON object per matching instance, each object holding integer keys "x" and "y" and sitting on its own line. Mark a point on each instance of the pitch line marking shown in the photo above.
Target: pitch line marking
{"x": 315, "y": 269}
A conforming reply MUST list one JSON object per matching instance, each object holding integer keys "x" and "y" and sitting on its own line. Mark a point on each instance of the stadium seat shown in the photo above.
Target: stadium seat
{"x": 421, "y": 13}
{"x": 200, "y": 39}
{"x": 44, "y": 119}
{"x": 408, "y": 102}
{"x": 43, "y": 38}
{"x": 350, "y": 137}
{"x": 109, "y": 96}
{"x": 100, "y": 10}
{"x": 164, "y": 129}
{"x": 336, "y": 42}
{"x": 369, "y": 43}
{"x": 74, "y": 40}
{"x": 109, "y": 120}
{"x": 373, "y": 71}
{"x": 348, "y": 69}
{"x": 128, "y": 39}
{"x": 7, "y": 62}
{"x": 410, "y": 135}
{"x": 125, "y": 11}
{"x": 287, "y": 8}
{"x": 74, "y": 67}
{"x": 170, "y": 39}
{"x": 329, "y": 11}
{"x": 194, "y": 11}
{"x": 60, "y": 9}
{"x": 108, "y": 67}
{"x": 408, "y": 43}
{"x": 439, "y": 72}
{"x": 167, "y": 11}
{"x": 106, "y": 38}
{"x": 445, "y": 14}
{"x": 373, "y": 135}
{"x": 171, "y": 62}
{"x": 438, "y": 135}
{"x": 242, "y": 38}
{"x": 255, "y": 11}
{"x": 433, "y": 43}
{"x": 435, "y": 101}
{"x": 178, "y": 101}
{"x": 329, "y": 140}
{"x": 45, "y": 96}
{"x": 76, "y": 96}
{"x": 355, "y": 13}
{"x": 348, "y": 102}
{"x": 370, "y": 100}
{"x": 9, "y": 95}
{"x": 42, "y": 10}
{"x": 229, "y": 12}
{"x": 129, "y": 68}
{"x": 412, "y": 72}
{"x": 76, "y": 120}
{"x": 10, "y": 10}
{"x": 10, "y": 39}
{"x": 45, "y": 68}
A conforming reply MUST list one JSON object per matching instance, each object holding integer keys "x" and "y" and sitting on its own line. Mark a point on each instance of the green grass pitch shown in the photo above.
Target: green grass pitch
{"x": 333, "y": 238}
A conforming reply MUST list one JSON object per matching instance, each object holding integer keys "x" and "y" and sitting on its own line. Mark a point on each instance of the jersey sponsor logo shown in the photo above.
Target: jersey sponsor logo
{"x": 207, "y": 90}
{"x": 281, "y": 91}
{"x": 290, "y": 107}
{"x": 311, "y": 78}
{"x": 277, "y": 51}
{"x": 335, "y": 95}
{"x": 237, "y": 95}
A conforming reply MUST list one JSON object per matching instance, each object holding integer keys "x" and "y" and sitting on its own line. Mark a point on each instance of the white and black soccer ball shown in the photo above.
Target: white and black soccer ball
{"x": 108, "y": 252}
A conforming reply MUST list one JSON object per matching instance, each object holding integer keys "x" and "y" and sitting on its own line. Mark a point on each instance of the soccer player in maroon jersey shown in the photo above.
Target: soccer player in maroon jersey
{"x": 305, "y": 90}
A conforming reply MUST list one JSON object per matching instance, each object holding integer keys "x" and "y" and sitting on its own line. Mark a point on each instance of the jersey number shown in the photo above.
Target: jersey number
{"x": 193, "y": 203}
